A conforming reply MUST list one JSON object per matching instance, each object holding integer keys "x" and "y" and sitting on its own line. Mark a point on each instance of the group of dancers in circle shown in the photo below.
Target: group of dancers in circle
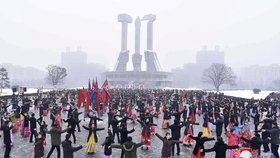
{"x": 225, "y": 119}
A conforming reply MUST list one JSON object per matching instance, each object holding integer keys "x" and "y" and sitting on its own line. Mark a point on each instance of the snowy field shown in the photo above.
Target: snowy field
{"x": 236, "y": 93}
{"x": 247, "y": 94}
{"x": 9, "y": 91}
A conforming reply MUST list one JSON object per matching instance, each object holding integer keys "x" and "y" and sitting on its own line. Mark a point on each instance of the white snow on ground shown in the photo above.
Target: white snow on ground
{"x": 29, "y": 90}
{"x": 247, "y": 94}
{"x": 236, "y": 93}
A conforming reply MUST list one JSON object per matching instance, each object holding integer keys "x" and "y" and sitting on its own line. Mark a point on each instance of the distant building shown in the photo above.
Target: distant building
{"x": 256, "y": 76}
{"x": 205, "y": 57}
{"x": 24, "y": 76}
{"x": 78, "y": 70}
{"x": 73, "y": 58}
{"x": 190, "y": 75}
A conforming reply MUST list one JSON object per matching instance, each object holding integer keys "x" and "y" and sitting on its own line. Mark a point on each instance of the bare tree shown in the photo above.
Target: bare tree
{"x": 56, "y": 74}
{"x": 4, "y": 79}
{"x": 217, "y": 75}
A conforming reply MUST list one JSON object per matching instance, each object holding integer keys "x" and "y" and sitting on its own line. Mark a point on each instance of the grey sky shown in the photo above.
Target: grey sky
{"x": 35, "y": 32}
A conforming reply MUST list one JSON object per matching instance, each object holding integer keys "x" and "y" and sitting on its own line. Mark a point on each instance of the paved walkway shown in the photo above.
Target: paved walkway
{"x": 24, "y": 149}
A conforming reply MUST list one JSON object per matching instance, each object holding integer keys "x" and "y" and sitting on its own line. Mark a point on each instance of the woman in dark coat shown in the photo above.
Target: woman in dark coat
{"x": 255, "y": 143}
{"x": 167, "y": 145}
{"x": 129, "y": 147}
{"x": 220, "y": 148}
{"x": 199, "y": 145}
{"x": 7, "y": 138}
{"x": 124, "y": 135}
{"x": 92, "y": 138}
{"x": 107, "y": 143}
{"x": 192, "y": 112}
{"x": 146, "y": 132}
{"x": 176, "y": 134}
{"x": 39, "y": 146}
{"x": 219, "y": 125}
{"x": 72, "y": 125}
{"x": 166, "y": 118}
{"x": 93, "y": 118}
{"x": 68, "y": 149}
{"x": 25, "y": 126}
{"x": 43, "y": 127}
{"x": 187, "y": 141}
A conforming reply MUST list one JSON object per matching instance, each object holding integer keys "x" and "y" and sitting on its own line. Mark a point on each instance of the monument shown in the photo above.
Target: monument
{"x": 153, "y": 76}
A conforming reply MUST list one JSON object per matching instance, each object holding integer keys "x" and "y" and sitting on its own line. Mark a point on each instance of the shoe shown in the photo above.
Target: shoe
{"x": 178, "y": 153}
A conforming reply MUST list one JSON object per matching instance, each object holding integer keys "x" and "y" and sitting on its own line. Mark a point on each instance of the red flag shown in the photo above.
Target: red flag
{"x": 88, "y": 100}
{"x": 105, "y": 93}
{"x": 106, "y": 89}
{"x": 89, "y": 86}
{"x": 88, "y": 97}
{"x": 97, "y": 96}
{"x": 93, "y": 85}
{"x": 81, "y": 98}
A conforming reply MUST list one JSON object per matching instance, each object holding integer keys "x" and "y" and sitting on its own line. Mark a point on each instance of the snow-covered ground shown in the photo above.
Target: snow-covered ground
{"x": 247, "y": 94}
{"x": 236, "y": 93}
{"x": 29, "y": 90}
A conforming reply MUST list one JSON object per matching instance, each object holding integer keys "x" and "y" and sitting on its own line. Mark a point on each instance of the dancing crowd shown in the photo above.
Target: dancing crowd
{"x": 226, "y": 120}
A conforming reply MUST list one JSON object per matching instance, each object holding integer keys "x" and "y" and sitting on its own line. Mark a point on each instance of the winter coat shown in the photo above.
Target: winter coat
{"x": 68, "y": 149}
{"x": 166, "y": 115}
{"x": 167, "y": 146}
{"x": 55, "y": 135}
{"x": 124, "y": 120}
{"x": 93, "y": 130}
{"x": 275, "y": 133}
{"x": 114, "y": 123}
{"x": 7, "y": 134}
{"x": 256, "y": 143}
{"x": 267, "y": 124}
{"x": 176, "y": 131}
{"x": 26, "y": 121}
{"x": 124, "y": 134}
{"x": 219, "y": 126}
{"x": 94, "y": 119}
{"x": 220, "y": 148}
{"x": 71, "y": 123}
{"x": 33, "y": 123}
{"x": 146, "y": 128}
{"x": 200, "y": 144}
{"x": 187, "y": 125}
{"x": 107, "y": 143}
{"x": 39, "y": 148}
{"x": 177, "y": 115}
{"x": 75, "y": 115}
{"x": 129, "y": 148}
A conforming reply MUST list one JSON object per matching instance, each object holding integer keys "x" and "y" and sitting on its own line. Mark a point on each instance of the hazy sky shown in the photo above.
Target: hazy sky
{"x": 35, "y": 32}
